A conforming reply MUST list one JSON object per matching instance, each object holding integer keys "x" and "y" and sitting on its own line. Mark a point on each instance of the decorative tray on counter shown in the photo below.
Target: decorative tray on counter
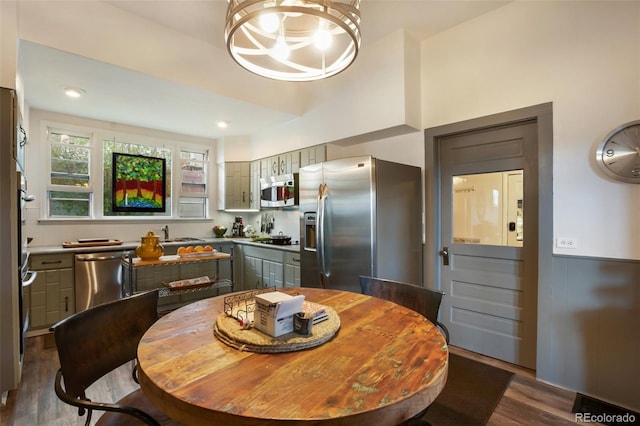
{"x": 97, "y": 242}
{"x": 180, "y": 285}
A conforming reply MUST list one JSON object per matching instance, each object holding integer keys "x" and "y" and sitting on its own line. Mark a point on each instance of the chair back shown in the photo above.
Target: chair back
{"x": 423, "y": 300}
{"x": 93, "y": 342}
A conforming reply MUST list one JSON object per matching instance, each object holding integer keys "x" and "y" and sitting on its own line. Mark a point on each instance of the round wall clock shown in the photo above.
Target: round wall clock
{"x": 619, "y": 153}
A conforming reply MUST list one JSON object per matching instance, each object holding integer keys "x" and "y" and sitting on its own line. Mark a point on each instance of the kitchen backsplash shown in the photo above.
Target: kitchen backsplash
{"x": 55, "y": 233}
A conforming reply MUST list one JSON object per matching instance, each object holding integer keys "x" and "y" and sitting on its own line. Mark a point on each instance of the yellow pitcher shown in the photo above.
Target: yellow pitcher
{"x": 150, "y": 249}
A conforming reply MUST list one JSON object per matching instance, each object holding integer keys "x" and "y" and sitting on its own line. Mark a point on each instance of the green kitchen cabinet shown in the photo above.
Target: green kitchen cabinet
{"x": 291, "y": 270}
{"x": 254, "y": 193}
{"x": 237, "y": 185}
{"x": 260, "y": 267}
{"x": 51, "y": 296}
{"x": 313, "y": 154}
{"x": 225, "y": 269}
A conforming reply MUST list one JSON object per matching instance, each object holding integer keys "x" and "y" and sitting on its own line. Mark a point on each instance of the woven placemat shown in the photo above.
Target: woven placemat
{"x": 228, "y": 330}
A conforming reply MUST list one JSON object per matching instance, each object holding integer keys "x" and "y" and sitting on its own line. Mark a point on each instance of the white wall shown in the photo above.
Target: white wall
{"x": 405, "y": 149}
{"x": 582, "y": 56}
{"x": 385, "y": 100}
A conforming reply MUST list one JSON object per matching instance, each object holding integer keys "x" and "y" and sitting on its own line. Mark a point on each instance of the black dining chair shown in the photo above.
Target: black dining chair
{"x": 96, "y": 341}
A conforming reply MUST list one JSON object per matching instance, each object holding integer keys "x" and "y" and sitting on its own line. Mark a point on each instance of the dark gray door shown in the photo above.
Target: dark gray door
{"x": 488, "y": 234}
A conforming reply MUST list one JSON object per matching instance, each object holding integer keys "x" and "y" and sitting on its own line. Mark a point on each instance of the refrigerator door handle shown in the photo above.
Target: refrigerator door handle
{"x": 323, "y": 193}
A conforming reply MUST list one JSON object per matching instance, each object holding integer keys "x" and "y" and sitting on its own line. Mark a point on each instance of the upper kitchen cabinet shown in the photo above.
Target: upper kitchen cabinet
{"x": 254, "y": 196}
{"x": 283, "y": 164}
{"x": 313, "y": 155}
{"x": 237, "y": 185}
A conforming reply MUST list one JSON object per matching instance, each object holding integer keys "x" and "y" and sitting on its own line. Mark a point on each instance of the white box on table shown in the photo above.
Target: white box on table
{"x": 274, "y": 312}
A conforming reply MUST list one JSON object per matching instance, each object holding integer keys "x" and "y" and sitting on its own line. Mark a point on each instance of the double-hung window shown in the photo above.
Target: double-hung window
{"x": 193, "y": 184}
{"x": 70, "y": 185}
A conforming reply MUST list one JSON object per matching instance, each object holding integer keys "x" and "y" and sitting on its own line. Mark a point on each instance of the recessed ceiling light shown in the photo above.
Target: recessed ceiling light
{"x": 74, "y": 92}
{"x": 222, "y": 124}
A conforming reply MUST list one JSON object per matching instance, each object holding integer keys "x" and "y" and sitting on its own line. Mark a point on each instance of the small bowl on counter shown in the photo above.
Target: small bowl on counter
{"x": 219, "y": 231}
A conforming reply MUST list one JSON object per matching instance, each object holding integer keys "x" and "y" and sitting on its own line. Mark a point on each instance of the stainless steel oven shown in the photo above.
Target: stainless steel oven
{"x": 25, "y": 274}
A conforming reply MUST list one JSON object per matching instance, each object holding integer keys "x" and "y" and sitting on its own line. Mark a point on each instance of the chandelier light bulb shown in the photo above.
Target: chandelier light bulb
{"x": 322, "y": 39}
{"x": 269, "y": 22}
{"x": 280, "y": 50}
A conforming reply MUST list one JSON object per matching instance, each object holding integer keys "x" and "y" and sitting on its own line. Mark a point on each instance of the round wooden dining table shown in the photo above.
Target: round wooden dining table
{"x": 385, "y": 364}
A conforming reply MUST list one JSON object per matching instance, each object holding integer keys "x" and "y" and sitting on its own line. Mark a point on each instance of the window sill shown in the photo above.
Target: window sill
{"x": 70, "y": 221}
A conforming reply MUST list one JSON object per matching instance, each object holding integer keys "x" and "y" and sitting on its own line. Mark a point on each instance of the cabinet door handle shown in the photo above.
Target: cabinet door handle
{"x": 243, "y": 197}
{"x": 51, "y": 262}
{"x": 66, "y": 304}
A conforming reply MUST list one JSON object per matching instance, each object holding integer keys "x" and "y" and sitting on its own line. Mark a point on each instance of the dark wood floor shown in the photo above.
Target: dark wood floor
{"x": 526, "y": 401}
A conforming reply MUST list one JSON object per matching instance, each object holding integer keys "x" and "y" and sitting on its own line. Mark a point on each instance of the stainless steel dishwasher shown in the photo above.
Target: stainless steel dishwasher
{"x": 98, "y": 278}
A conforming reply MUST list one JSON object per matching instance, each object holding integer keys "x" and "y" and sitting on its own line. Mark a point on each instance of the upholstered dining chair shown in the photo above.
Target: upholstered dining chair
{"x": 96, "y": 341}
{"x": 423, "y": 300}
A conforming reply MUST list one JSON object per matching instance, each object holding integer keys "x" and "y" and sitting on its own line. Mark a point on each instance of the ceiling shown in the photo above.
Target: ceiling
{"x": 121, "y": 93}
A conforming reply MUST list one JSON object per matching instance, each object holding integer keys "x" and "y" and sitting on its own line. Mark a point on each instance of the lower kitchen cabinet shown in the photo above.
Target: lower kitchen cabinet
{"x": 267, "y": 267}
{"x": 51, "y": 297}
{"x": 272, "y": 274}
{"x": 251, "y": 272}
{"x": 225, "y": 269}
{"x": 261, "y": 272}
{"x": 291, "y": 270}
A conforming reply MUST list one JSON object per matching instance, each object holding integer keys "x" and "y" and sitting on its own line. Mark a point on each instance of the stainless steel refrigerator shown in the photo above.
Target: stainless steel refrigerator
{"x": 360, "y": 216}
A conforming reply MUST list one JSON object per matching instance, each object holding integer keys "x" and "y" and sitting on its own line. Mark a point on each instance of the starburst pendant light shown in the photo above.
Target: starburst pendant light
{"x": 293, "y": 40}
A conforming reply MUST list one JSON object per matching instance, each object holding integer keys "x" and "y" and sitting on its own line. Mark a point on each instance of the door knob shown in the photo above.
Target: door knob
{"x": 445, "y": 256}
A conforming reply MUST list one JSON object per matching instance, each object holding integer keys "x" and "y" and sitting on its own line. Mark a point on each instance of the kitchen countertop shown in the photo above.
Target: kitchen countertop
{"x": 132, "y": 245}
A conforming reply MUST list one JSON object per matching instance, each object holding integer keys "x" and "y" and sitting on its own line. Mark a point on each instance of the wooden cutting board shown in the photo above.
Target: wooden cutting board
{"x": 77, "y": 244}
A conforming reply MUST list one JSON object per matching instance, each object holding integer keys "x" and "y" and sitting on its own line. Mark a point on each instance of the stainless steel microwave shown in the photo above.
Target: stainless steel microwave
{"x": 279, "y": 191}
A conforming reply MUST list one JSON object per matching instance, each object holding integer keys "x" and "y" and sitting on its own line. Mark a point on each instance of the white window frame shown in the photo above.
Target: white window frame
{"x": 183, "y": 198}
{"x": 49, "y": 187}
